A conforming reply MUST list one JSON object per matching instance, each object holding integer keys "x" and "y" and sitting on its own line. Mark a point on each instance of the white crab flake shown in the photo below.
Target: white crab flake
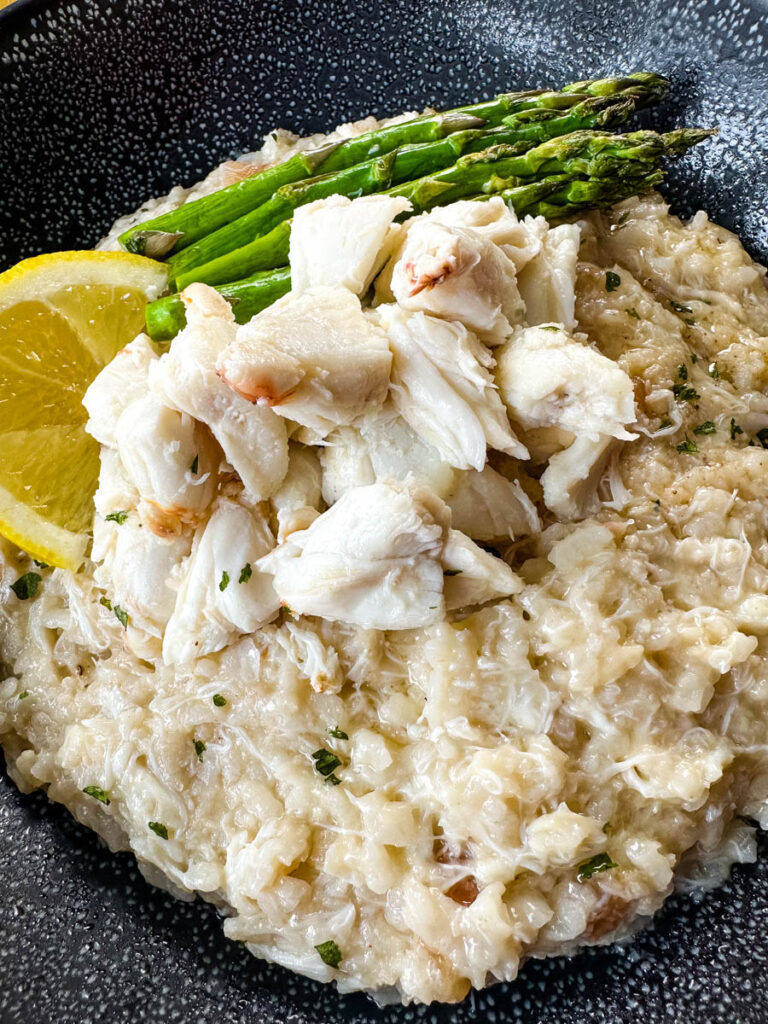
{"x": 473, "y": 576}
{"x": 458, "y": 274}
{"x": 487, "y": 506}
{"x": 547, "y": 378}
{"x": 339, "y": 242}
{"x": 121, "y": 382}
{"x": 313, "y": 358}
{"x": 521, "y": 240}
{"x": 218, "y": 598}
{"x": 571, "y": 478}
{"x": 548, "y": 282}
{"x": 253, "y": 438}
{"x": 442, "y": 386}
{"x": 373, "y": 560}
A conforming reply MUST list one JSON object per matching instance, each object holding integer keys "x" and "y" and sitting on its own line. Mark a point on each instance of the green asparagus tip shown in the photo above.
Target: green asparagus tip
{"x": 155, "y": 244}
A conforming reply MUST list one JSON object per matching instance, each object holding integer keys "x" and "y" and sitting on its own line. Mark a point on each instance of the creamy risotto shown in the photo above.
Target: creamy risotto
{"x": 427, "y": 635}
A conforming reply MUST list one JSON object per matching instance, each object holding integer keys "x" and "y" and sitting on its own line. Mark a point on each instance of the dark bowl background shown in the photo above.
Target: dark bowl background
{"x": 103, "y": 104}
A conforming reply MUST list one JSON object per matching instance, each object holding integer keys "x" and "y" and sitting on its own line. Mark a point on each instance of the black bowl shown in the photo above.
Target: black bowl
{"x": 103, "y": 104}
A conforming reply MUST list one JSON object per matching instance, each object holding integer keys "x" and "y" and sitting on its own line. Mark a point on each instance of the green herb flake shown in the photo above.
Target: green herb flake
{"x": 330, "y": 953}
{"x": 679, "y": 307}
{"x": 195, "y": 465}
{"x": 707, "y": 427}
{"x": 121, "y": 615}
{"x": 97, "y": 794}
{"x": 550, "y": 327}
{"x": 694, "y": 357}
{"x": 682, "y": 372}
{"x": 326, "y": 761}
{"x": 117, "y": 517}
{"x": 612, "y": 281}
{"x": 41, "y": 565}
{"x": 735, "y": 430}
{"x": 224, "y": 581}
{"x": 26, "y": 586}
{"x": 762, "y": 437}
{"x": 452, "y": 572}
{"x": 158, "y": 828}
{"x": 593, "y": 866}
{"x": 685, "y": 393}
{"x": 219, "y": 701}
{"x": 338, "y": 734}
{"x": 623, "y": 219}
{"x": 713, "y": 371}
{"x": 332, "y": 780}
{"x": 632, "y": 312}
{"x": 689, "y": 321}
{"x": 200, "y": 749}
{"x": 245, "y": 573}
{"x": 688, "y": 447}
{"x": 23, "y": 695}
{"x": 106, "y": 602}
{"x": 664, "y": 425}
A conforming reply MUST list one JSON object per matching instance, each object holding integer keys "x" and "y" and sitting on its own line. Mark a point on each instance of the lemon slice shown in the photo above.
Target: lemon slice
{"x": 63, "y": 316}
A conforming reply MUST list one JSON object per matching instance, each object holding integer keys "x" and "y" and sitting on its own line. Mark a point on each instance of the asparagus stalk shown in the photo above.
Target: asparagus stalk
{"x": 165, "y": 317}
{"x": 556, "y": 197}
{"x": 173, "y": 231}
{"x": 578, "y": 154}
{"x": 529, "y": 127}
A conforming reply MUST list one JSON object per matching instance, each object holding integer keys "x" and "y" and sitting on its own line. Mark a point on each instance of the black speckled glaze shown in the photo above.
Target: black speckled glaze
{"x": 105, "y": 103}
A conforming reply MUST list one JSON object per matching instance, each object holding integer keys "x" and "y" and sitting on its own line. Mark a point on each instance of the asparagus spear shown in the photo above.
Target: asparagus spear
{"x": 578, "y": 154}
{"x": 173, "y": 231}
{"x": 556, "y": 197}
{"x": 271, "y": 250}
{"x": 165, "y": 317}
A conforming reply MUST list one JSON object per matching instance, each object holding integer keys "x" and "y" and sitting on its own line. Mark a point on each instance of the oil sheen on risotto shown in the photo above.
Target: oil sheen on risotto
{"x": 427, "y": 634}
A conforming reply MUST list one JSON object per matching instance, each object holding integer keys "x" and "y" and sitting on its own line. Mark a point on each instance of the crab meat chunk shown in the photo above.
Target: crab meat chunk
{"x": 489, "y": 507}
{"x": 254, "y": 440}
{"x": 571, "y": 479}
{"x": 222, "y": 593}
{"x": 372, "y": 560}
{"x": 458, "y": 274}
{"x": 172, "y": 462}
{"x": 521, "y": 240}
{"x": 442, "y": 386}
{"x": 547, "y": 378}
{"x": 548, "y": 282}
{"x": 341, "y": 242}
{"x": 313, "y": 358}
{"x": 298, "y": 498}
{"x": 121, "y": 382}
{"x": 473, "y": 576}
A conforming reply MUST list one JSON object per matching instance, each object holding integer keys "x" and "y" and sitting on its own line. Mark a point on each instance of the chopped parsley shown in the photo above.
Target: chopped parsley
{"x": 158, "y": 828}
{"x": 735, "y": 429}
{"x": 121, "y": 615}
{"x": 195, "y": 465}
{"x": 452, "y": 572}
{"x": 612, "y": 281}
{"x": 632, "y": 312}
{"x": 332, "y": 780}
{"x": 688, "y": 447}
{"x": 326, "y": 763}
{"x": 682, "y": 372}
{"x": 338, "y": 734}
{"x": 330, "y": 953}
{"x": 707, "y": 427}
{"x": 762, "y": 437}
{"x": 679, "y": 307}
{"x": 97, "y": 794}
{"x": 117, "y": 517}
{"x": 550, "y": 327}
{"x": 694, "y": 357}
{"x": 224, "y": 581}
{"x": 106, "y": 602}
{"x": 200, "y": 749}
{"x": 689, "y": 321}
{"x": 593, "y": 866}
{"x": 219, "y": 701}
{"x": 713, "y": 371}
{"x": 26, "y": 586}
{"x": 245, "y": 573}
{"x": 23, "y": 695}
{"x": 41, "y": 565}
{"x": 664, "y": 424}
{"x": 623, "y": 219}
{"x": 685, "y": 393}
